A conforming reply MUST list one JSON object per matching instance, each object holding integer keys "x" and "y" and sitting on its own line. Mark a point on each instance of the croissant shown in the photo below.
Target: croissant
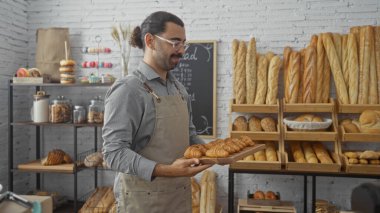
{"x": 201, "y": 147}
{"x": 239, "y": 143}
{"x": 217, "y": 152}
{"x": 193, "y": 152}
{"x": 234, "y": 146}
{"x": 247, "y": 140}
{"x": 228, "y": 147}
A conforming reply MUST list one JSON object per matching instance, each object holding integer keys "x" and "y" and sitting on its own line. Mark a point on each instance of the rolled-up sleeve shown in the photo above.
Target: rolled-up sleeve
{"x": 122, "y": 117}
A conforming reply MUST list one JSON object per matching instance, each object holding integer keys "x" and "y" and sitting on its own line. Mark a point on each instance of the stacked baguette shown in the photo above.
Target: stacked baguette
{"x": 255, "y": 76}
{"x": 269, "y": 154}
{"x": 308, "y": 152}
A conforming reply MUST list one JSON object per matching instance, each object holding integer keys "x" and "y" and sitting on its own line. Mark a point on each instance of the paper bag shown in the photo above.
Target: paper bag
{"x": 50, "y": 49}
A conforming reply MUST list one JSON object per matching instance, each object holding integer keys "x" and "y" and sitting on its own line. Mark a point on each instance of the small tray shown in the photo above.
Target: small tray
{"x": 329, "y": 135}
{"x": 28, "y": 80}
{"x": 233, "y": 158}
{"x": 258, "y": 165}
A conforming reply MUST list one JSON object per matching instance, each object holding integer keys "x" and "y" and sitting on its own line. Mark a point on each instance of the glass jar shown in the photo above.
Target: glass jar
{"x": 79, "y": 115}
{"x": 96, "y": 111}
{"x": 40, "y": 109}
{"x": 60, "y": 110}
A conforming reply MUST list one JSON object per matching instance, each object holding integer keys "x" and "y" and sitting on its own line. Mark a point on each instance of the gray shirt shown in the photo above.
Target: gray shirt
{"x": 129, "y": 120}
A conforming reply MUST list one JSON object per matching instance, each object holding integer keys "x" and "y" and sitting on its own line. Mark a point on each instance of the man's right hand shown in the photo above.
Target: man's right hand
{"x": 180, "y": 168}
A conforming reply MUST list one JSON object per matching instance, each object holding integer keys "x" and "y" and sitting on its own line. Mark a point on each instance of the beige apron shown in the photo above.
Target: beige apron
{"x": 168, "y": 143}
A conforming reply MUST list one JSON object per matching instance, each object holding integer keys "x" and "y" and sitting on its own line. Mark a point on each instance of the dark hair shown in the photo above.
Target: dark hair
{"x": 154, "y": 24}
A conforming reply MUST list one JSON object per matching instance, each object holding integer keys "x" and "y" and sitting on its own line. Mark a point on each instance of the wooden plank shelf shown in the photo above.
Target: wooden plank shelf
{"x": 356, "y": 108}
{"x": 36, "y": 166}
{"x": 330, "y": 135}
{"x": 260, "y": 165}
{"x": 311, "y": 107}
{"x": 314, "y": 167}
{"x": 257, "y": 108}
{"x": 359, "y": 137}
{"x": 359, "y": 168}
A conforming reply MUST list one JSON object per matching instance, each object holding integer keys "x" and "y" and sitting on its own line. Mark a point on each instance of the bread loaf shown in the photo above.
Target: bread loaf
{"x": 369, "y": 155}
{"x": 356, "y": 32}
{"x": 240, "y": 124}
{"x": 326, "y": 80}
{"x": 364, "y": 62}
{"x": 341, "y": 88}
{"x": 309, "y": 153}
{"x": 292, "y": 80}
{"x": 195, "y": 195}
{"x": 262, "y": 72}
{"x": 377, "y": 56}
{"x": 350, "y": 128}
{"x": 54, "y": 157}
{"x": 337, "y": 39}
{"x": 373, "y": 95}
{"x": 269, "y": 55}
{"x": 235, "y": 48}
{"x": 251, "y": 72}
{"x": 287, "y": 52}
{"x": 297, "y": 153}
{"x": 301, "y": 73}
{"x": 321, "y": 152}
{"x": 260, "y": 155}
{"x": 353, "y": 69}
{"x": 370, "y": 121}
{"x": 320, "y": 71}
{"x": 268, "y": 124}
{"x": 241, "y": 90}
{"x": 345, "y": 61}
{"x": 273, "y": 72}
{"x": 314, "y": 41}
{"x": 270, "y": 152}
{"x": 254, "y": 124}
{"x": 310, "y": 75}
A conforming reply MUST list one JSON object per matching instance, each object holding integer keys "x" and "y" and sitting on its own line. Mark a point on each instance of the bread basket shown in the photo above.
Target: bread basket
{"x": 307, "y": 126}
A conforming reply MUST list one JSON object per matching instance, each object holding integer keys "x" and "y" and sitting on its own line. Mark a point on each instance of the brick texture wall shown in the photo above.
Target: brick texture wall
{"x": 274, "y": 23}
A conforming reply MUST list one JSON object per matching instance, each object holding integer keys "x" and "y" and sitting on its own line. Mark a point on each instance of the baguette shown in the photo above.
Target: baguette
{"x": 356, "y": 32}
{"x": 287, "y": 52}
{"x": 262, "y": 72}
{"x": 364, "y": 62}
{"x": 292, "y": 79}
{"x": 373, "y": 95}
{"x": 251, "y": 72}
{"x": 260, "y": 155}
{"x": 326, "y": 80}
{"x": 309, "y": 153}
{"x": 320, "y": 71}
{"x": 314, "y": 41}
{"x": 235, "y": 48}
{"x": 341, "y": 88}
{"x": 345, "y": 61}
{"x": 310, "y": 75}
{"x": 297, "y": 153}
{"x": 270, "y": 151}
{"x": 377, "y": 56}
{"x": 195, "y": 195}
{"x": 353, "y": 68}
{"x": 273, "y": 72}
{"x": 337, "y": 39}
{"x": 302, "y": 70}
{"x": 240, "y": 74}
{"x": 321, "y": 152}
{"x": 269, "y": 55}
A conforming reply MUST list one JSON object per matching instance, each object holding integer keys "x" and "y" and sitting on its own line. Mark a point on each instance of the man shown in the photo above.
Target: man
{"x": 148, "y": 125}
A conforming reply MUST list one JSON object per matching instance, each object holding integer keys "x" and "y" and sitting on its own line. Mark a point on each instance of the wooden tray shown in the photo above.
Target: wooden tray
{"x": 265, "y": 206}
{"x": 258, "y": 165}
{"x": 312, "y": 107}
{"x": 359, "y": 137}
{"x": 356, "y": 108}
{"x": 233, "y": 158}
{"x": 257, "y": 108}
{"x": 360, "y": 168}
{"x": 314, "y": 167}
{"x": 329, "y": 135}
{"x": 37, "y": 167}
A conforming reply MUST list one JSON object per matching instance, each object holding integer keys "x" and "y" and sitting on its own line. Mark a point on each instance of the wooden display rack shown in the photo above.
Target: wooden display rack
{"x": 258, "y": 136}
{"x": 265, "y": 206}
{"x": 312, "y": 107}
{"x": 36, "y": 166}
{"x": 315, "y": 167}
{"x": 358, "y": 137}
{"x": 359, "y": 168}
{"x": 356, "y": 108}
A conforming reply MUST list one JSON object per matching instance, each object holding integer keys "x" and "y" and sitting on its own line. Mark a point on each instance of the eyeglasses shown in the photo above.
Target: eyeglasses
{"x": 176, "y": 44}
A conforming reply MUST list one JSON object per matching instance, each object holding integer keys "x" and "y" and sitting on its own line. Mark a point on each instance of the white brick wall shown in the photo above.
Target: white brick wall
{"x": 274, "y": 23}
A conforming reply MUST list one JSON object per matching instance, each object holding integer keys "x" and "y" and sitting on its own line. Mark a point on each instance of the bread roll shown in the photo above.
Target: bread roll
{"x": 363, "y": 161}
{"x": 377, "y": 56}
{"x": 369, "y": 155}
{"x": 308, "y": 118}
{"x": 273, "y": 72}
{"x": 321, "y": 152}
{"x": 310, "y": 75}
{"x": 260, "y": 155}
{"x": 251, "y": 72}
{"x": 345, "y": 121}
{"x": 268, "y": 124}
{"x": 262, "y": 80}
{"x": 326, "y": 80}
{"x": 94, "y": 159}
{"x": 259, "y": 195}
{"x": 269, "y": 195}
{"x": 300, "y": 84}
{"x": 353, "y": 161}
{"x": 254, "y": 124}
{"x": 297, "y": 153}
{"x": 373, "y": 95}
{"x": 345, "y": 61}
{"x": 309, "y": 153}
{"x": 270, "y": 152}
{"x": 235, "y": 48}
{"x": 351, "y": 154}
{"x": 364, "y": 62}
{"x": 292, "y": 80}
{"x": 241, "y": 91}
{"x": 353, "y": 68}
{"x": 341, "y": 88}
{"x": 240, "y": 124}
{"x": 320, "y": 71}
{"x": 337, "y": 39}
{"x": 287, "y": 52}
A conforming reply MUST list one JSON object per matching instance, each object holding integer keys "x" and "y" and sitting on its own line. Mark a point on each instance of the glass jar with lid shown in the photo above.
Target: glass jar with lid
{"x": 79, "y": 115}
{"x": 96, "y": 110}
{"x": 60, "y": 110}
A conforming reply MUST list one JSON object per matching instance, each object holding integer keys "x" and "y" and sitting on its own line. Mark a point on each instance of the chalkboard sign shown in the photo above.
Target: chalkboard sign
{"x": 197, "y": 72}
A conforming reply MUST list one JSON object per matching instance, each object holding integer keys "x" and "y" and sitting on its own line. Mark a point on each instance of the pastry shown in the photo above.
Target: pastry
{"x": 251, "y": 71}
{"x": 351, "y": 154}
{"x": 369, "y": 155}
{"x": 262, "y": 72}
{"x": 273, "y": 72}
{"x": 247, "y": 140}
{"x": 268, "y": 124}
{"x": 67, "y": 62}
{"x": 254, "y": 124}
{"x": 94, "y": 159}
{"x": 217, "y": 152}
{"x": 240, "y": 124}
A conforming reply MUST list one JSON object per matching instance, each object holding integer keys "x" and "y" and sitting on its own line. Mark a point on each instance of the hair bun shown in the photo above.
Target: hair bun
{"x": 136, "y": 40}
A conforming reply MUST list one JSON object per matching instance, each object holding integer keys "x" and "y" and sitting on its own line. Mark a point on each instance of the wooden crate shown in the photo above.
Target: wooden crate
{"x": 312, "y": 107}
{"x": 36, "y": 166}
{"x": 315, "y": 167}
{"x": 258, "y": 165}
{"x": 257, "y": 136}
{"x": 356, "y": 108}
{"x": 257, "y": 108}
{"x": 265, "y": 206}
{"x": 358, "y": 137}
{"x": 329, "y": 135}
{"x": 359, "y": 168}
